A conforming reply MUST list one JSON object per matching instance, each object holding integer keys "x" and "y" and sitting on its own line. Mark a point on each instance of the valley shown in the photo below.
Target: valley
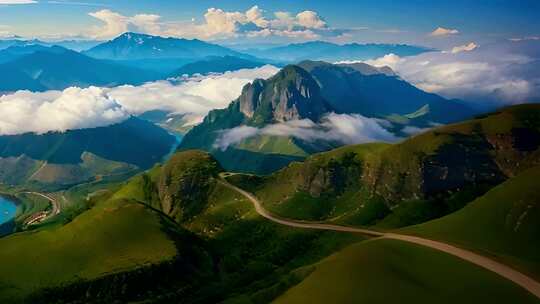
{"x": 185, "y": 152}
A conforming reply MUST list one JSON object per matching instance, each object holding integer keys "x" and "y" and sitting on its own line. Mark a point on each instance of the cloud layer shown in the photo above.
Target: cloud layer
{"x": 76, "y": 108}
{"x": 217, "y": 24}
{"x": 339, "y": 128}
{"x": 506, "y": 72}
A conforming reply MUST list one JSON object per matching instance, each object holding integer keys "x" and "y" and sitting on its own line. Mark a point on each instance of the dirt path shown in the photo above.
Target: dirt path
{"x": 509, "y": 273}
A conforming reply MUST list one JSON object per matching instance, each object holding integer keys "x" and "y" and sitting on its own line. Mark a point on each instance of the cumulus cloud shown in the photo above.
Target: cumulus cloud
{"x": 217, "y": 24}
{"x": 464, "y": 48}
{"x": 192, "y": 97}
{"x": 505, "y": 72}
{"x": 73, "y": 108}
{"x": 76, "y": 108}
{"x": 339, "y": 128}
{"x": 441, "y": 32}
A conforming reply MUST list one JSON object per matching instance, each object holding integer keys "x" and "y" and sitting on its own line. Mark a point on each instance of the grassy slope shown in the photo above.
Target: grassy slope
{"x": 254, "y": 257}
{"x": 101, "y": 241}
{"x": 424, "y": 177}
{"x": 376, "y": 272}
{"x": 503, "y": 222}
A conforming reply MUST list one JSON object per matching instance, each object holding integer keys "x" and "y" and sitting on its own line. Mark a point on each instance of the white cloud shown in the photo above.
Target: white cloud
{"x": 217, "y": 24}
{"x": 441, "y": 31}
{"x": 194, "y": 97}
{"x": 501, "y": 73}
{"x": 76, "y": 108}
{"x": 464, "y": 48}
{"x": 390, "y": 60}
{"x": 340, "y": 128}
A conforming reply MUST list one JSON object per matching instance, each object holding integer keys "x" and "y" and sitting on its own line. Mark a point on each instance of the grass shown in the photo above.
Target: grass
{"x": 101, "y": 241}
{"x": 388, "y": 271}
{"x": 503, "y": 222}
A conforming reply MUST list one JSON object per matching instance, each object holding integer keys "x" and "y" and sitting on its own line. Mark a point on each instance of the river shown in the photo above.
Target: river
{"x": 7, "y": 210}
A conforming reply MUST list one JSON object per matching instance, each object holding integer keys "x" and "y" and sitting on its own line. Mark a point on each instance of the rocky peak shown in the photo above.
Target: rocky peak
{"x": 290, "y": 94}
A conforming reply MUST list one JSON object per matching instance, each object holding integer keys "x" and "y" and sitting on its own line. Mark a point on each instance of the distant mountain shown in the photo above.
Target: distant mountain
{"x": 17, "y": 51}
{"x": 19, "y": 41}
{"x": 133, "y": 46}
{"x": 362, "y": 89}
{"x": 311, "y": 90}
{"x": 216, "y": 65}
{"x": 320, "y": 50}
{"x": 76, "y": 45}
{"x": 46, "y": 68}
{"x": 75, "y": 156}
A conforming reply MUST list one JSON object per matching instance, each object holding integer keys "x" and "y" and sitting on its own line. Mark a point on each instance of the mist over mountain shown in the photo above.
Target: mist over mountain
{"x": 290, "y": 115}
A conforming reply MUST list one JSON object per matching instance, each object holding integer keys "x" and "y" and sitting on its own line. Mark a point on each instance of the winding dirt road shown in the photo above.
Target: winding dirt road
{"x": 511, "y": 274}
{"x": 43, "y": 215}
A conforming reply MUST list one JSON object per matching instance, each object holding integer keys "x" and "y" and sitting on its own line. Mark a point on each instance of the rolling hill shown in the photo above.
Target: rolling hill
{"x": 58, "y": 159}
{"x": 427, "y": 176}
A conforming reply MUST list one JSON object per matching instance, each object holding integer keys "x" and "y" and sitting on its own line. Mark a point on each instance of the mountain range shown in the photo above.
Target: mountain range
{"x": 331, "y": 52}
{"x": 133, "y": 46}
{"x": 311, "y": 90}
{"x": 56, "y": 68}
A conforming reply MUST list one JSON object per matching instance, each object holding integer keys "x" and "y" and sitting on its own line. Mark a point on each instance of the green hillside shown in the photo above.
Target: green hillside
{"x": 387, "y": 271}
{"x": 60, "y": 159}
{"x": 101, "y": 242}
{"x": 503, "y": 223}
{"x": 424, "y": 177}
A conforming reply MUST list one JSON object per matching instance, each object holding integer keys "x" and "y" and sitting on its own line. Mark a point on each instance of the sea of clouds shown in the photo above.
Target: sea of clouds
{"x": 80, "y": 108}
{"x": 339, "y": 128}
{"x": 487, "y": 76}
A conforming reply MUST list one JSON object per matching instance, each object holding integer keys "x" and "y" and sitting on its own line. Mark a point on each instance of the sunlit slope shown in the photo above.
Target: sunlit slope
{"x": 388, "y": 271}
{"x": 114, "y": 236}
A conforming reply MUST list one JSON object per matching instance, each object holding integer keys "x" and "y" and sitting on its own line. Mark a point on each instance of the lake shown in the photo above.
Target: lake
{"x": 7, "y": 210}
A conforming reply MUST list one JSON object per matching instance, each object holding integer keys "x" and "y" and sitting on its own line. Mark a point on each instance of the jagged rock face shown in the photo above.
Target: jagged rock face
{"x": 251, "y": 97}
{"x": 289, "y": 95}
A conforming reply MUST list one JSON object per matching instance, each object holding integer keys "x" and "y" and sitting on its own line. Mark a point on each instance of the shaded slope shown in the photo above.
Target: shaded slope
{"x": 78, "y": 151}
{"x": 358, "y": 89}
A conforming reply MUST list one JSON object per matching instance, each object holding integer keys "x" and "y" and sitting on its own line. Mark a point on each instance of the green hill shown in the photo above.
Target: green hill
{"x": 386, "y": 271}
{"x": 57, "y": 159}
{"x": 424, "y": 177}
{"x": 113, "y": 237}
{"x": 503, "y": 223}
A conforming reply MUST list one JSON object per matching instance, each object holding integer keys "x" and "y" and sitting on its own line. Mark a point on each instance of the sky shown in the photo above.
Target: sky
{"x": 243, "y": 21}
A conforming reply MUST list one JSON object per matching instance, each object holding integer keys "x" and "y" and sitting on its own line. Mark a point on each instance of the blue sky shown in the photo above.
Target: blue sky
{"x": 344, "y": 21}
